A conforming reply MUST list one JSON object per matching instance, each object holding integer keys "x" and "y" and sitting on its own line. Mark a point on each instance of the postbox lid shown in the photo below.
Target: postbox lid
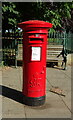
{"x": 34, "y": 24}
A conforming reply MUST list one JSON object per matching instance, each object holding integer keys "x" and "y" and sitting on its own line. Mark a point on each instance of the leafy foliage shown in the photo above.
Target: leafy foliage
{"x": 58, "y": 13}
{"x": 10, "y": 15}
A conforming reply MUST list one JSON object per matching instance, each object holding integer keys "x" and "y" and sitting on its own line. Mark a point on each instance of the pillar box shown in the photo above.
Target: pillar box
{"x": 34, "y": 61}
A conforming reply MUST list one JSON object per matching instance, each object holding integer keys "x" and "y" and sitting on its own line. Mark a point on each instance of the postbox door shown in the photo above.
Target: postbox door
{"x": 36, "y": 82}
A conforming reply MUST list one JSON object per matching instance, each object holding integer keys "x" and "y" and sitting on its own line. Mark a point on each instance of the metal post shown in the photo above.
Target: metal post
{"x": 15, "y": 53}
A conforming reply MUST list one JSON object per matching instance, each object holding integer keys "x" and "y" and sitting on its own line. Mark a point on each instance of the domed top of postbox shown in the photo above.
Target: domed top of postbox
{"x": 33, "y": 24}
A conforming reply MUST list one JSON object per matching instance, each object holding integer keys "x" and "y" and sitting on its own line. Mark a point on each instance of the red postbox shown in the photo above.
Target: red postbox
{"x": 34, "y": 61}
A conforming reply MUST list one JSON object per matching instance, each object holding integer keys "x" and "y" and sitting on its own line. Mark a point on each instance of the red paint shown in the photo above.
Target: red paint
{"x": 34, "y": 71}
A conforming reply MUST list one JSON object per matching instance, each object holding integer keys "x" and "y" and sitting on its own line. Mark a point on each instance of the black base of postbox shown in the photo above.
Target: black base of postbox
{"x": 37, "y": 101}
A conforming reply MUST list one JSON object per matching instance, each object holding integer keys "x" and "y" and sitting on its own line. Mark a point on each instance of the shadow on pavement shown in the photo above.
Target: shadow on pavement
{"x": 12, "y": 94}
{"x": 50, "y": 65}
{"x": 18, "y": 97}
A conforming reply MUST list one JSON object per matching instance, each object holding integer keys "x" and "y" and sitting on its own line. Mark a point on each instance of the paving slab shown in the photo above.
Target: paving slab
{"x": 62, "y": 79}
{"x": 53, "y": 108}
{"x": 12, "y": 77}
{"x": 56, "y": 106}
{"x": 12, "y": 109}
{"x": 0, "y": 107}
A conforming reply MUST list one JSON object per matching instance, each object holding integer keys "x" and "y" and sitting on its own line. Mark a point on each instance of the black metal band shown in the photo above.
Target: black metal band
{"x": 31, "y": 101}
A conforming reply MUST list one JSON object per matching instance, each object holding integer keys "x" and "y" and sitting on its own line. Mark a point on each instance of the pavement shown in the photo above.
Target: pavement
{"x": 56, "y": 106}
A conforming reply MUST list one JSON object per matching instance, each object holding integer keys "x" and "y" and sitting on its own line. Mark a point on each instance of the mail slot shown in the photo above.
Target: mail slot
{"x": 33, "y": 39}
{"x": 34, "y": 61}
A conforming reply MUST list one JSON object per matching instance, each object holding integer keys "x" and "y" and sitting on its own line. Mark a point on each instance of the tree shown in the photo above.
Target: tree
{"x": 58, "y": 13}
{"x": 10, "y": 16}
